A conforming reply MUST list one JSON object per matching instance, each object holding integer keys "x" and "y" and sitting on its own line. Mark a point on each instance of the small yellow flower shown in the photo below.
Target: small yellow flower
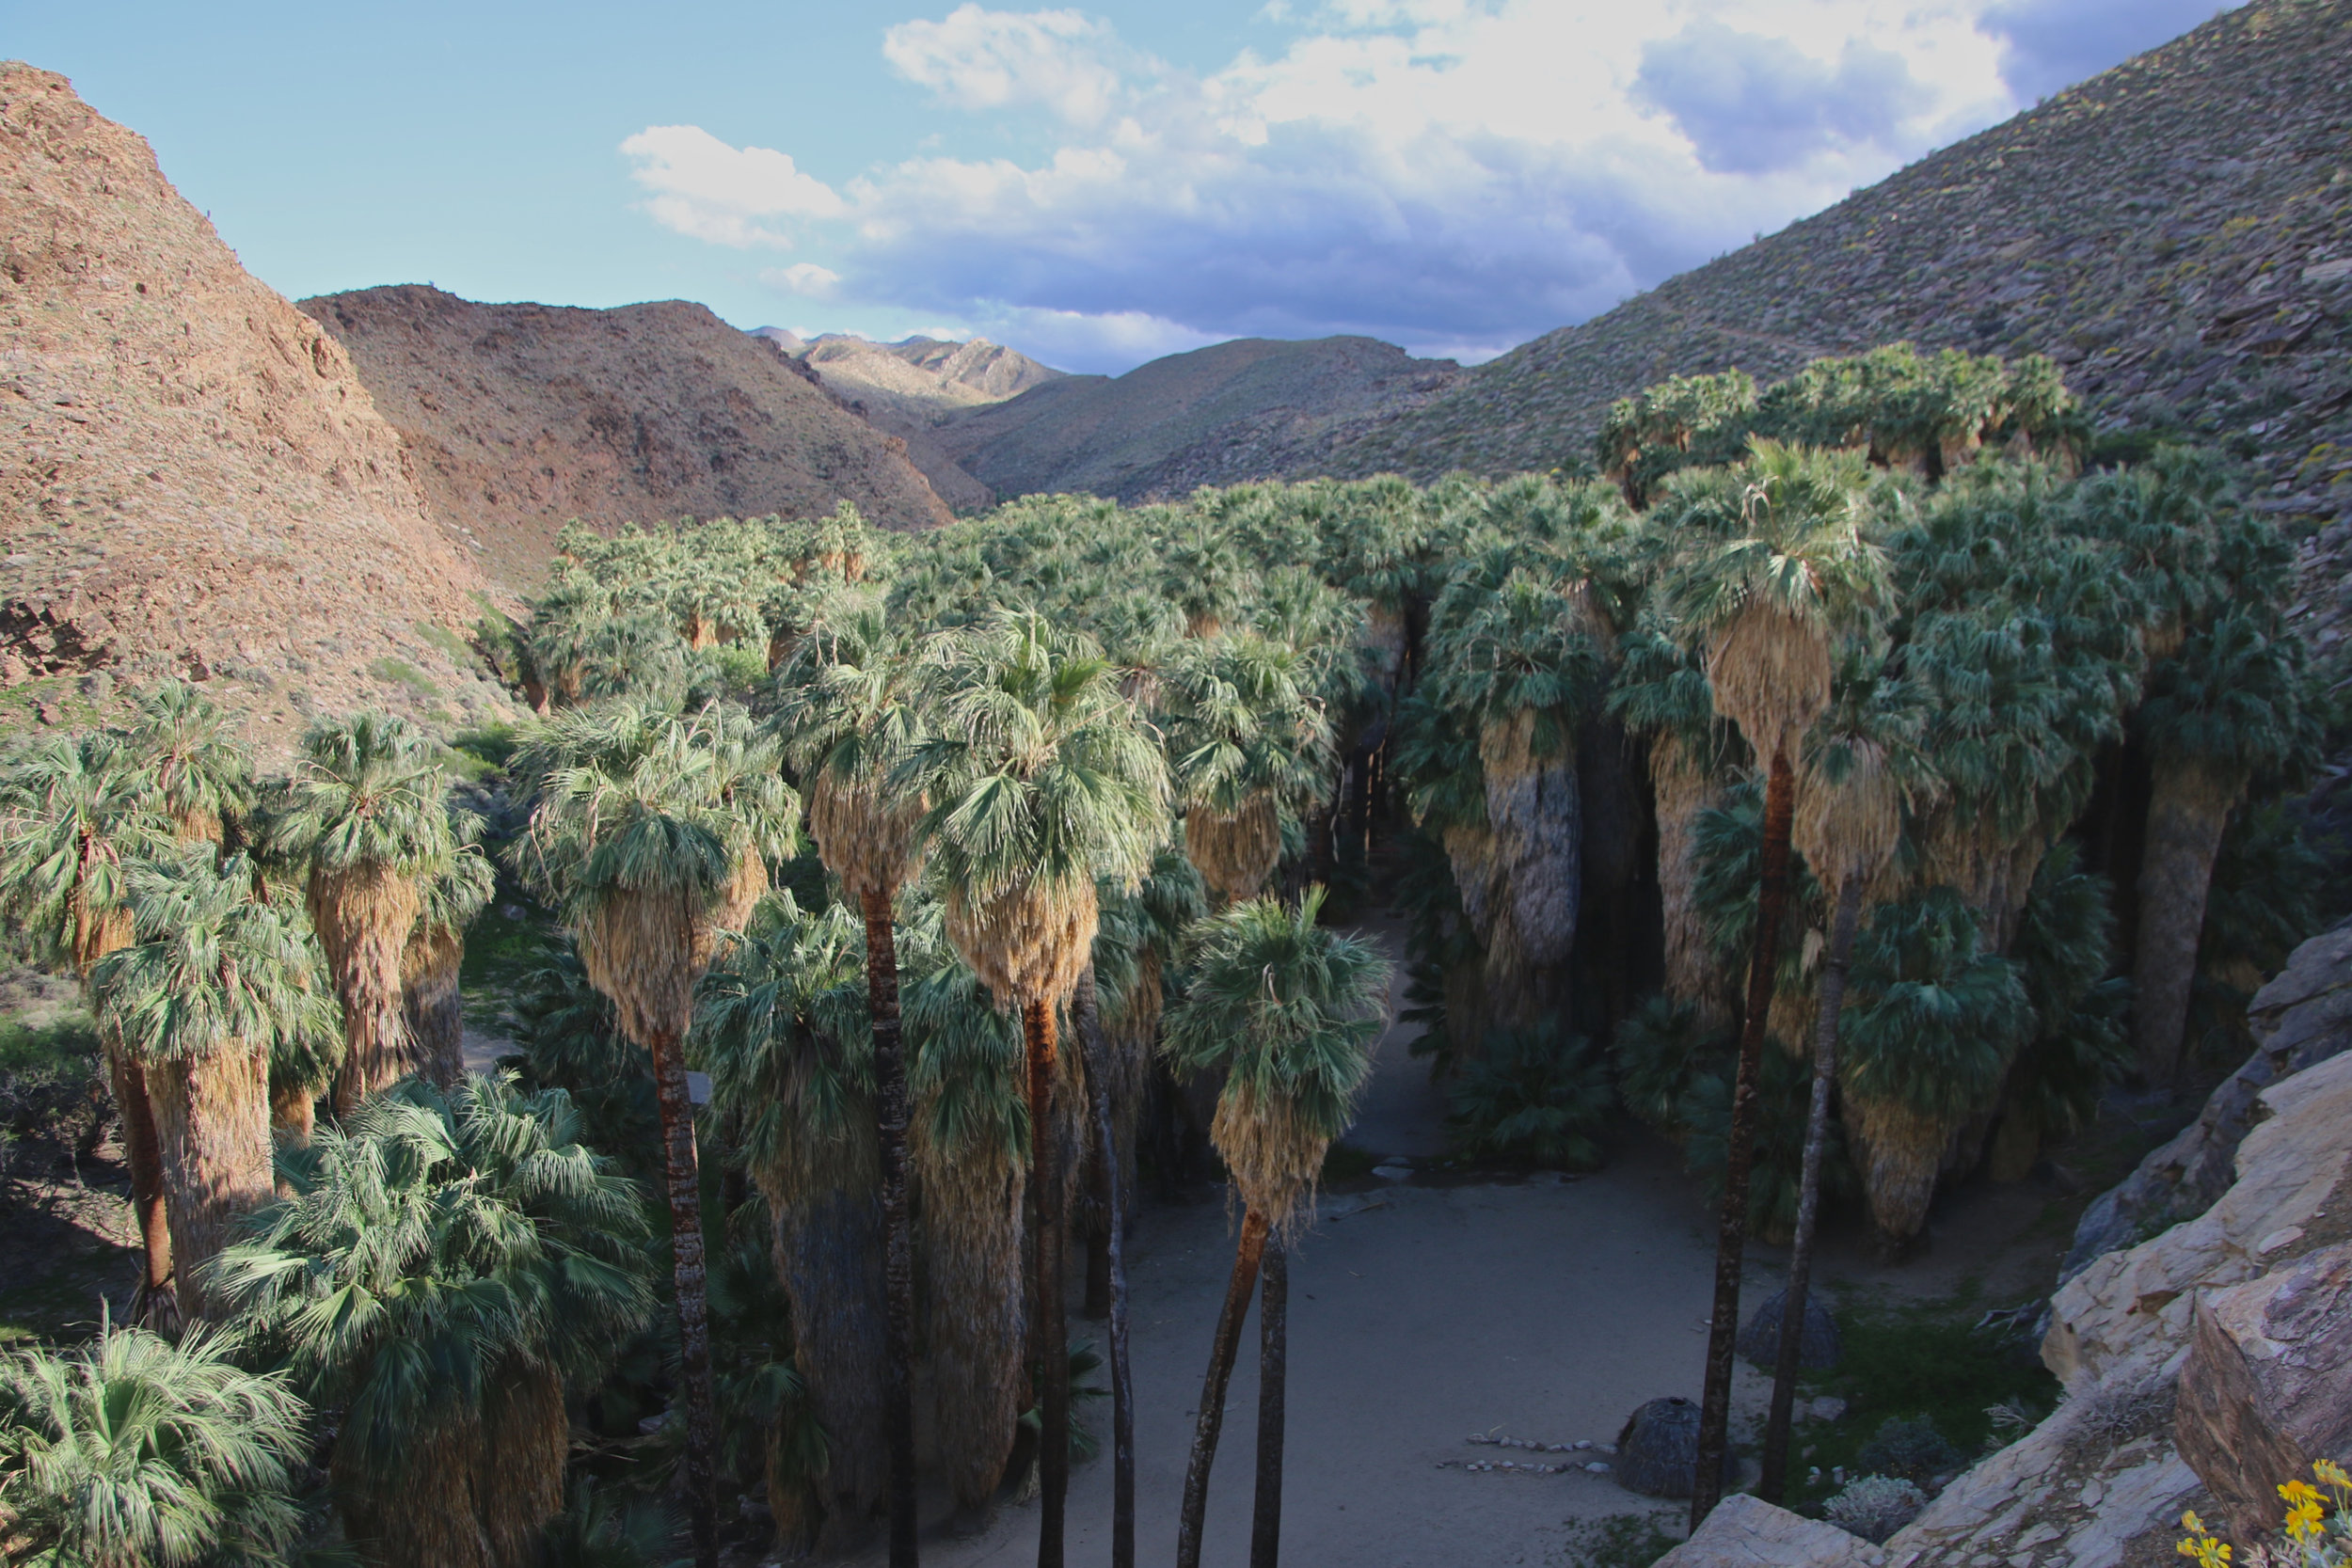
{"x": 2297, "y": 1492}
{"x": 2192, "y": 1524}
{"x": 2331, "y": 1473}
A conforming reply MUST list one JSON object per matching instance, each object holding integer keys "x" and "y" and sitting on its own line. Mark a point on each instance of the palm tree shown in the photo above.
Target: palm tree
{"x": 651, "y": 834}
{"x": 1848, "y": 827}
{"x": 363, "y": 812}
{"x": 76, "y": 814}
{"x": 431, "y": 1003}
{"x": 1247, "y": 743}
{"x": 135, "y": 1452}
{"x": 1661, "y": 691}
{"x": 1515, "y": 653}
{"x": 195, "y": 773}
{"x": 781, "y": 1028}
{"x": 971, "y": 1147}
{"x": 1041, "y": 778}
{"x": 2229, "y": 706}
{"x": 201, "y": 1000}
{"x": 1290, "y": 1011}
{"x": 848, "y": 718}
{"x": 445, "y": 1265}
{"x": 1770, "y": 603}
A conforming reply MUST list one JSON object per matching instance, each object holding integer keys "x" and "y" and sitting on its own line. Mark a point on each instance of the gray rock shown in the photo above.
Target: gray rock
{"x": 1749, "y": 1532}
{"x": 1760, "y": 1336}
{"x": 2301, "y": 1017}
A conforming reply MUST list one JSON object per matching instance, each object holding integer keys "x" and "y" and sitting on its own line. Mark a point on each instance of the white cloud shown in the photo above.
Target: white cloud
{"x": 704, "y": 188}
{"x": 1454, "y": 175}
{"x": 984, "y": 60}
{"x": 805, "y": 278}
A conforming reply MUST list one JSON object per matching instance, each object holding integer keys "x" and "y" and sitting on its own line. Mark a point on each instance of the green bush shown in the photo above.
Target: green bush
{"x": 1540, "y": 1097}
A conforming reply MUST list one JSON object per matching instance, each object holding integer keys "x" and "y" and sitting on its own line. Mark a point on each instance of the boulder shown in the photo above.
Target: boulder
{"x": 2267, "y": 1386}
{"x": 1658, "y": 1450}
{"x": 1749, "y": 1532}
{"x": 2300, "y": 1019}
{"x": 1818, "y": 1346}
{"x": 2292, "y": 1194}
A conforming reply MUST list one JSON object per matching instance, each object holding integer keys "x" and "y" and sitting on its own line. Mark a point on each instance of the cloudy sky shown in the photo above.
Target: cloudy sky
{"x": 1095, "y": 185}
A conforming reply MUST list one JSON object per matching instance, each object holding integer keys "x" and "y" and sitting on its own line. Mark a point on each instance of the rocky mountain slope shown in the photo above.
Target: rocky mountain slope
{"x": 520, "y": 417}
{"x": 1252, "y": 408}
{"x": 193, "y": 477}
{"x": 2177, "y": 233}
{"x": 906, "y": 387}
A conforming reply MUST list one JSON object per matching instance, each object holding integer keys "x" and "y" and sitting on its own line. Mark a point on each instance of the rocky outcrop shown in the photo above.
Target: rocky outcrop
{"x": 1749, "y": 1532}
{"x": 520, "y": 417}
{"x": 2131, "y": 1312}
{"x": 2267, "y": 1386}
{"x": 193, "y": 477}
{"x": 2300, "y": 1019}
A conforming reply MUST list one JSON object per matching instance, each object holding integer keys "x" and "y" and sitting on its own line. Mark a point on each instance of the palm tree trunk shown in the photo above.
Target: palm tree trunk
{"x": 1780, "y": 802}
{"x": 156, "y": 1305}
{"x": 362, "y": 917}
{"x": 212, "y": 1125}
{"x": 683, "y": 1176}
{"x": 2188, "y": 808}
{"x": 1053, "y": 1337}
{"x": 1122, "y": 1387}
{"x": 890, "y": 1098}
{"x": 1838, "y": 960}
{"x": 1266, "y": 1519}
{"x": 432, "y": 1005}
{"x": 1246, "y": 1256}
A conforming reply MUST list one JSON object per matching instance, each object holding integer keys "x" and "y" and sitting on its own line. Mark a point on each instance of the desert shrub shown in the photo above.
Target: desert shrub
{"x": 1540, "y": 1097}
{"x": 1621, "y": 1540}
{"x": 1661, "y": 1049}
{"x": 1875, "y": 1507}
{"x": 1908, "y": 1448}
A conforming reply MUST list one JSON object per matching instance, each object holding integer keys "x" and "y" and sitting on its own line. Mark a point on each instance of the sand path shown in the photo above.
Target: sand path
{"x": 1419, "y": 1314}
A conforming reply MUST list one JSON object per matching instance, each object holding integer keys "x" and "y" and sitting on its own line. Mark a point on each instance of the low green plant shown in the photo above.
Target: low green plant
{"x": 1621, "y": 1540}
{"x": 1345, "y": 1162}
{"x": 1875, "y": 1507}
{"x": 1908, "y": 1448}
{"x": 1539, "y": 1097}
{"x": 393, "y": 672}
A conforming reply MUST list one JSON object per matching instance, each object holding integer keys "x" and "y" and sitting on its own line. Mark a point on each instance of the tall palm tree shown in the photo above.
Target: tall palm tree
{"x": 848, "y": 718}
{"x": 203, "y": 1000}
{"x": 1770, "y": 603}
{"x": 363, "y": 815}
{"x": 651, "y": 833}
{"x": 76, "y": 814}
{"x": 781, "y": 1028}
{"x": 1289, "y": 1010}
{"x": 971, "y": 1147}
{"x": 447, "y": 900}
{"x": 2231, "y": 704}
{"x": 445, "y": 1266}
{"x": 131, "y": 1451}
{"x": 195, "y": 770}
{"x": 1247, "y": 742}
{"x": 1661, "y": 693}
{"x": 1516, "y": 653}
{"x": 1848, "y": 827}
{"x": 1041, "y": 778}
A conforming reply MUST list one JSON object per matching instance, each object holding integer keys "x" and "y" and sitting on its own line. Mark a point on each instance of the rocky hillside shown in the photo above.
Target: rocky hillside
{"x": 906, "y": 387}
{"x": 193, "y": 478}
{"x": 1253, "y": 409}
{"x": 2176, "y": 231}
{"x": 520, "y": 417}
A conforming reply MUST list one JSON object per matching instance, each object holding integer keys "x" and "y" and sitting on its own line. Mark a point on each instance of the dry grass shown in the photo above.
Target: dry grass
{"x": 1683, "y": 787}
{"x": 213, "y": 1132}
{"x": 1028, "y": 945}
{"x": 1272, "y": 1156}
{"x": 972, "y": 1301}
{"x": 1899, "y": 1153}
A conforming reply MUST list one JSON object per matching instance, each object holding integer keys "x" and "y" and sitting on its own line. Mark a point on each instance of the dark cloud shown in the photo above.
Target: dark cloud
{"x": 1752, "y": 104}
{"x": 2049, "y": 44}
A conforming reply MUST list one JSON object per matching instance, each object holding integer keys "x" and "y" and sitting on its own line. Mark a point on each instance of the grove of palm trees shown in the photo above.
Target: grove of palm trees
{"x": 684, "y": 1127}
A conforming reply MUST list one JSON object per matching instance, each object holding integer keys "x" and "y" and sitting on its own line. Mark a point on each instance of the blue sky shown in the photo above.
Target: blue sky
{"x": 1094, "y": 184}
